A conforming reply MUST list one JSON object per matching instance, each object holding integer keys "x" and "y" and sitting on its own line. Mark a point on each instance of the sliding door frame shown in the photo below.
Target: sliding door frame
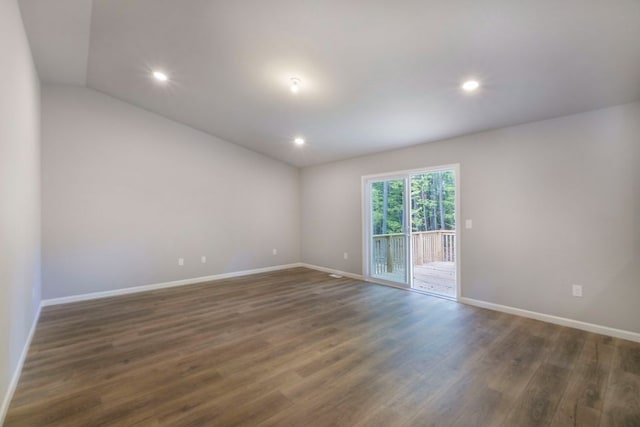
{"x": 366, "y": 180}
{"x": 406, "y": 232}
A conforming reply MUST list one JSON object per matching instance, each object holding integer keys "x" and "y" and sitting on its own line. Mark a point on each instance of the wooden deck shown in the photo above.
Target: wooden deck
{"x": 433, "y": 277}
{"x": 433, "y": 256}
{"x": 436, "y": 277}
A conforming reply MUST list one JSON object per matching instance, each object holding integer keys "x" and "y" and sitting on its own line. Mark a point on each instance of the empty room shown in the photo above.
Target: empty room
{"x": 320, "y": 213}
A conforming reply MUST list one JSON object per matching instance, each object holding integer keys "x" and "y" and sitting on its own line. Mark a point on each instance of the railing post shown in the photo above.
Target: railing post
{"x": 389, "y": 255}
{"x": 376, "y": 254}
{"x": 453, "y": 248}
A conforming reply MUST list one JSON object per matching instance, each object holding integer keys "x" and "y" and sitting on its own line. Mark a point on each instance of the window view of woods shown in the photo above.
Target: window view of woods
{"x": 425, "y": 258}
{"x": 388, "y": 206}
{"x": 432, "y": 203}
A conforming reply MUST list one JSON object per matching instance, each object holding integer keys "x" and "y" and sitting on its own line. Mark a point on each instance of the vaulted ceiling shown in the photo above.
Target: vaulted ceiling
{"x": 374, "y": 74}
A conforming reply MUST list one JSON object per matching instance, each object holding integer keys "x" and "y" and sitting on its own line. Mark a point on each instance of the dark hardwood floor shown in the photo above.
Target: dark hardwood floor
{"x": 298, "y": 348}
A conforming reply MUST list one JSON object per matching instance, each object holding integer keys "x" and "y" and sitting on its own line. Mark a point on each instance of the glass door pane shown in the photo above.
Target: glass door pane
{"x": 389, "y": 230}
{"x": 433, "y": 232}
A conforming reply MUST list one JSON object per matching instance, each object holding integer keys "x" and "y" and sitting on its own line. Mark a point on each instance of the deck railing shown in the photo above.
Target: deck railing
{"x": 428, "y": 246}
{"x": 388, "y": 253}
{"x": 434, "y": 246}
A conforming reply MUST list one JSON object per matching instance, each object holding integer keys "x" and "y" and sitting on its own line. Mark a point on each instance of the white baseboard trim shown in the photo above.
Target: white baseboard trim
{"x": 16, "y": 373}
{"x": 563, "y": 321}
{"x": 151, "y": 287}
{"x": 332, "y": 271}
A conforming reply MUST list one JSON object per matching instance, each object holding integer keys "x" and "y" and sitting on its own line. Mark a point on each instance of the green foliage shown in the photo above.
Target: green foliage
{"x": 393, "y": 221}
{"x": 432, "y": 203}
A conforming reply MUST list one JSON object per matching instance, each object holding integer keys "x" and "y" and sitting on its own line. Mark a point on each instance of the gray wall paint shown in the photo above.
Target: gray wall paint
{"x": 553, "y": 203}
{"x": 19, "y": 192}
{"x": 127, "y": 192}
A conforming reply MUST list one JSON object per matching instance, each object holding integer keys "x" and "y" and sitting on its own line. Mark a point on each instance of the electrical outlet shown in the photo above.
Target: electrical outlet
{"x": 180, "y": 261}
{"x": 346, "y": 255}
{"x": 468, "y": 224}
{"x": 203, "y": 259}
{"x": 275, "y": 251}
{"x": 577, "y": 290}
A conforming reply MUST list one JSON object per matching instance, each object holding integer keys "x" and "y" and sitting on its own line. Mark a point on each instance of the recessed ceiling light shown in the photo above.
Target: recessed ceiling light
{"x": 299, "y": 141}
{"x": 295, "y": 85}
{"x": 470, "y": 85}
{"x": 160, "y": 76}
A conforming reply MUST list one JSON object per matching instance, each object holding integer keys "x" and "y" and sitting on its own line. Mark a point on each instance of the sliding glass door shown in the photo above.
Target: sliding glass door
{"x": 433, "y": 232}
{"x": 410, "y": 229}
{"x": 389, "y": 230}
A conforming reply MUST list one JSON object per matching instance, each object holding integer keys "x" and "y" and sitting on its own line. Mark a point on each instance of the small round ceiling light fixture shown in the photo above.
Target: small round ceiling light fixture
{"x": 298, "y": 140}
{"x": 160, "y": 76}
{"x": 294, "y": 85}
{"x": 470, "y": 85}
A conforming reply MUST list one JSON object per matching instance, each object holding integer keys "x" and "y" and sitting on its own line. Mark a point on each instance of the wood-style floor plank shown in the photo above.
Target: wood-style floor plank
{"x": 622, "y": 401}
{"x": 299, "y": 348}
{"x": 581, "y": 404}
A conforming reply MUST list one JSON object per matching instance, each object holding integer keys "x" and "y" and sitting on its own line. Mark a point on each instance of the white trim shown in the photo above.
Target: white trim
{"x": 459, "y": 232}
{"x": 563, "y": 321}
{"x": 16, "y": 374}
{"x": 332, "y": 271}
{"x": 365, "y": 199}
{"x": 151, "y": 287}
{"x": 413, "y": 171}
{"x": 365, "y": 220}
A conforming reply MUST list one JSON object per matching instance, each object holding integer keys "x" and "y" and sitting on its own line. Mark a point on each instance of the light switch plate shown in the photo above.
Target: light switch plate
{"x": 577, "y": 290}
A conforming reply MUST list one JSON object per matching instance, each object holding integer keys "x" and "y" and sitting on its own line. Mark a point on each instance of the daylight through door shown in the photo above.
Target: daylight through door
{"x": 412, "y": 230}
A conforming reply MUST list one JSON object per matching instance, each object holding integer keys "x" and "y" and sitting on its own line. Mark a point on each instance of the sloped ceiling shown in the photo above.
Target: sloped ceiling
{"x": 375, "y": 75}
{"x": 59, "y": 32}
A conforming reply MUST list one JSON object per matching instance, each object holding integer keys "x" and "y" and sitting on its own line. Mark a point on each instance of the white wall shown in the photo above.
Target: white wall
{"x": 19, "y": 194}
{"x": 553, "y": 203}
{"x": 127, "y": 192}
